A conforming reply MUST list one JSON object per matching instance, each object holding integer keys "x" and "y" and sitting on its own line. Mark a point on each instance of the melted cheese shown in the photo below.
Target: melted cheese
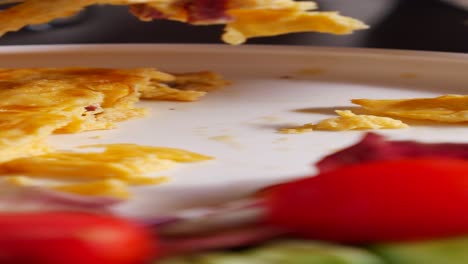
{"x": 447, "y": 108}
{"x": 347, "y": 120}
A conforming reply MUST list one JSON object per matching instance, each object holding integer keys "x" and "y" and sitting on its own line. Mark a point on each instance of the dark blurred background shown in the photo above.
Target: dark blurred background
{"x": 433, "y": 25}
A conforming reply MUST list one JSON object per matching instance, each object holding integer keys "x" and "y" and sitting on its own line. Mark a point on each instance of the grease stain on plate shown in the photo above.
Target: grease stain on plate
{"x": 280, "y": 140}
{"x": 227, "y": 140}
{"x": 271, "y": 118}
{"x": 282, "y": 149}
{"x": 201, "y": 131}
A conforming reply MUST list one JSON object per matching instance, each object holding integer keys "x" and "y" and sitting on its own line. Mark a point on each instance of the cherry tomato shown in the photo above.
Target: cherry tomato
{"x": 378, "y": 201}
{"x": 72, "y": 238}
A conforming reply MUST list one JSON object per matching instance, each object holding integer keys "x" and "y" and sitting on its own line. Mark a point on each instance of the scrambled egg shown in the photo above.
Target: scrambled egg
{"x": 447, "y": 108}
{"x": 347, "y": 120}
{"x": 39, "y": 102}
{"x": 247, "y": 18}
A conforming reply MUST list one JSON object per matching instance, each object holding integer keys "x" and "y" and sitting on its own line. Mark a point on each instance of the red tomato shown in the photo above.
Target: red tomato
{"x": 71, "y": 238}
{"x": 379, "y": 201}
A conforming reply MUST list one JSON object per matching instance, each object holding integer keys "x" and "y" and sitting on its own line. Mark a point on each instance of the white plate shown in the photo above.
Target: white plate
{"x": 249, "y": 112}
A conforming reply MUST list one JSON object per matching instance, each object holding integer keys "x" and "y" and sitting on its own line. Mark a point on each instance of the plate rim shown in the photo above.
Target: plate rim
{"x": 292, "y": 50}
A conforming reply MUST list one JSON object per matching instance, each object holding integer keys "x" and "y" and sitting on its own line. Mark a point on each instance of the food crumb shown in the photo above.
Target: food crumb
{"x": 95, "y": 137}
{"x": 270, "y": 118}
{"x": 226, "y": 139}
{"x": 281, "y": 139}
{"x": 298, "y": 130}
{"x": 347, "y": 120}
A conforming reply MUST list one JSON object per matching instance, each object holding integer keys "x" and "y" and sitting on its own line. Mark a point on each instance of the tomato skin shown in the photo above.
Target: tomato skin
{"x": 72, "y": 238}
{"x": 373, "y": 202}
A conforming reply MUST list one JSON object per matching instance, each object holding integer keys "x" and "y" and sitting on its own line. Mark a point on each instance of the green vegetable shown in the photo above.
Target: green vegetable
{"x": 447, "y": 251}
{"x": 285, "y": 252}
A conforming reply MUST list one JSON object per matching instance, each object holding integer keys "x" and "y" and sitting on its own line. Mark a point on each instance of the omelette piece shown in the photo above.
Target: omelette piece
{"x": 347, "y": 120}
{"x": 103, "y": 188}
{"x": 446, "y": 108}
{"x": 107, "y": 188}
{"x": 108, "y": 173}
{"x": 90, "y": 98}
{"x": 251, "y": 23}
{"x": 39, "y": 102}
{"x": 243, "y": 18}
{"x": 125, "y": 162}
{"x": 24, "y": 133}
{"x": 298, "y": 129}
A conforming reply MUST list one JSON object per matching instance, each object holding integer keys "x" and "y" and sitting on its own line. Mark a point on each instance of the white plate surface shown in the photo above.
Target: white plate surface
{"x": 248, "y": 113}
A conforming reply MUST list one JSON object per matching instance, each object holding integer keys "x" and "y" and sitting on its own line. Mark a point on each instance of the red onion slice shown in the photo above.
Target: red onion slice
{"x": 374, "y": 147}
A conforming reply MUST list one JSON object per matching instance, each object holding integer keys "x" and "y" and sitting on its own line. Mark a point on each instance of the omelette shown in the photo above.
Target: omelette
{"x": 244, "y": 19}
